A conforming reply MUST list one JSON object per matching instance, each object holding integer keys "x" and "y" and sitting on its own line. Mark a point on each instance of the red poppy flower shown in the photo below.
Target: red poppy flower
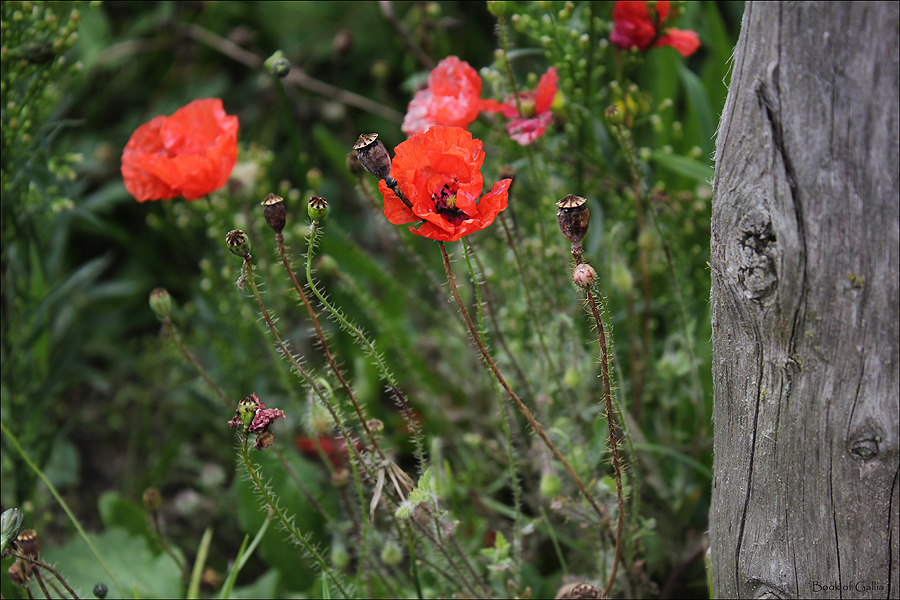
{"x": 635, "y": 27}
{"x": 439, "y": 173}
{"x": 190, "y": 153}
{"x": 535, "y": 105}
{"x": 451, "y": 98}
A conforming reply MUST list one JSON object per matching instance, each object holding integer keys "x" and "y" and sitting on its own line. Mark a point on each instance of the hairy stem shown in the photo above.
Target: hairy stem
{"x": 522, "y": 408}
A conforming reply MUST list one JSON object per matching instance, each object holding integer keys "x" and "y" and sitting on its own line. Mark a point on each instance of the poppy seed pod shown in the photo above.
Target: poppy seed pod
{"x": 28, "y": 544}
{"x": 238, "y": 243}
{"x": 317, "y": 208}
{"x": 274, "y": 211}
{"x": 574, "y": 218}
{"x": 373, "y": 155}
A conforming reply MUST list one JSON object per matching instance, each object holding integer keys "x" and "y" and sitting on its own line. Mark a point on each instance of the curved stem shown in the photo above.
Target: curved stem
{"x": 332, "y": 409}
{"x": 367, "y": 345}
{"x": 613, "y": 440}
{"x": 522, "y": 408}
{"x": 510, "y": 456}
{"x": 172, "y": 333}
{"x": 324, "y": 344}
{"x": 62, "y": 503}
{"x": 286, "y": 522}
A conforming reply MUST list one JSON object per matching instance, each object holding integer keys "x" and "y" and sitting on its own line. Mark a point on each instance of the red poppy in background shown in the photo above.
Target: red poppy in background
{"x": 635, "y": 27}
{"x": 439, "y": 173}
{"x": 190, "y": 153}
{"x": 535, "y": 105}
{"x": 335, "y": 450}
{"x": 453, "y": 97}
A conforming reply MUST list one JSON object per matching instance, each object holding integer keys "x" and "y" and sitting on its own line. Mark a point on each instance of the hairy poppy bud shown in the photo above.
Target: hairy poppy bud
{"x": 161, "y": 303}
{"x": 584, "y": 276}
{"x": 317, "y": 208}
{"x": 274, "y": 211}
{"x": 373, "y": 155}
{"x": 278, "y": 65}
{"x": 573, "y": 217}
{"x": 238, "y": 242}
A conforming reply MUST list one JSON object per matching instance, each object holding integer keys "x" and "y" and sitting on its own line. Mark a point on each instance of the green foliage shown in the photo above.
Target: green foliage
{"x": 113, "y": 411}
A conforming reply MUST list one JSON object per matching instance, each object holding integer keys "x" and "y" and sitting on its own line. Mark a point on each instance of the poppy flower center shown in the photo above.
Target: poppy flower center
{"x": 529, "y": 107}
{"x": 445, "y": 205}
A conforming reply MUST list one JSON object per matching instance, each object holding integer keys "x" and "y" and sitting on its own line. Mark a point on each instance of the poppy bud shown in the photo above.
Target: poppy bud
{"x": 584, "y": 276}
{"x": 238, "y": 243}
{"x": 614, "y": 116}
{"x": 278, "y": 65}
{"x": 496, "y": 7}
{"x": 340, "y": 477}
{"x": 551, "y": 485}
{"x": 152, "y": 499}
{"x": 20, "y": 573}
{"x": 391, "y": 554}
{"x": 373, "y": 155}
{"x": 10, "y": 525}
{"x": 573, "y": 217}
{"x": 317, "y": 208}
{"x": 161, "y": 303}
{"x": 376, "y": 426}
{"x": 274, "y": 211}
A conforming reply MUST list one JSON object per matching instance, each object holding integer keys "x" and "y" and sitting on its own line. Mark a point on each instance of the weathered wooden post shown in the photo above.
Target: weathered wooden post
{"x": 806, "y": 331}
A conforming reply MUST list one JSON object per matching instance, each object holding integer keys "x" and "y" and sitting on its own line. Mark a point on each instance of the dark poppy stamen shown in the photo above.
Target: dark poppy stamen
{"x": 445, "y": 205}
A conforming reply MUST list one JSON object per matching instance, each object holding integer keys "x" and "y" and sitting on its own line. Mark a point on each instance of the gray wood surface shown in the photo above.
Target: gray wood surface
{"x": 805, "y": 244}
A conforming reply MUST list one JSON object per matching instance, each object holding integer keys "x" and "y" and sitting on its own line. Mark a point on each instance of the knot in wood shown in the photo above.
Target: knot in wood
{"x": 757, "y": 273}
{"x": 865, "y": 449}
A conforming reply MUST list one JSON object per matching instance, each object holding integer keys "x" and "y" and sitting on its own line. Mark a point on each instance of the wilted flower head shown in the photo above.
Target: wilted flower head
{"x": 254, "y": 417}
{"x": 536, "y": 115}
{"x": 453, "y": 97}
{"x": 439, "y": 173}
{"x": 190, "y": 153}
{"x": 635, "y": 27}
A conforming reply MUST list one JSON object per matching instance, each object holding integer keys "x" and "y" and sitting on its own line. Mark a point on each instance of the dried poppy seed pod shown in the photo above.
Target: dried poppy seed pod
{"x": 353, "y": 165}
{"x": 238, "y": 243}
{"x": 373, "y": 155}
{"x": 574, "y": 218}
{"x": 274, "y": 211}
{"x": 28, "y": 544}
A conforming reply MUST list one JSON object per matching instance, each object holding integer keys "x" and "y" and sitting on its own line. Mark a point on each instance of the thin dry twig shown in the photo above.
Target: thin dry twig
{"x": 295, "y": 77}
